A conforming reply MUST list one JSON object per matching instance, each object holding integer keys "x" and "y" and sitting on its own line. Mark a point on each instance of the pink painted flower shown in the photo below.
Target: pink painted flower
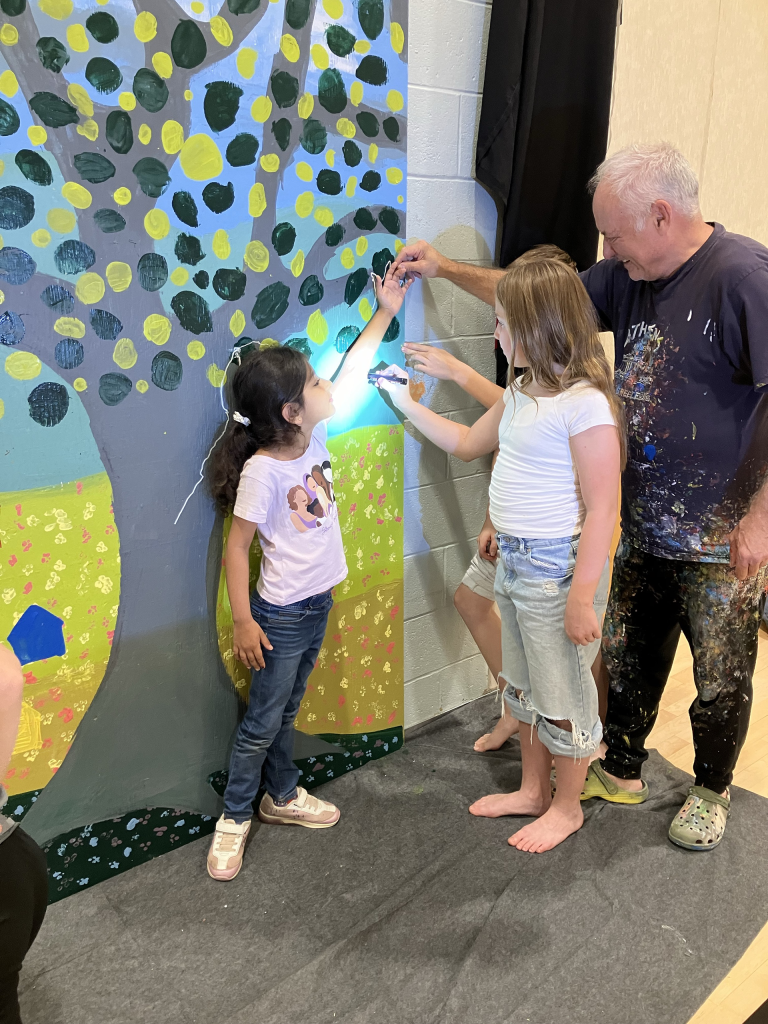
{"x": 66, "y": 715}
{"x": 12, "y": 560}
{"x": 27, "y": 588}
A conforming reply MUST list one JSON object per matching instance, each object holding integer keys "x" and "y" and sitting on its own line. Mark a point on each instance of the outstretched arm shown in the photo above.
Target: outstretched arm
{"x": 420, "y": 259}
{"x": 436, "y": 362}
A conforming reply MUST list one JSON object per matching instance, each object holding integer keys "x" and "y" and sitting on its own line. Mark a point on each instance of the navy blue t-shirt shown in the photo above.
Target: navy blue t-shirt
{"x": 692, "y": 369}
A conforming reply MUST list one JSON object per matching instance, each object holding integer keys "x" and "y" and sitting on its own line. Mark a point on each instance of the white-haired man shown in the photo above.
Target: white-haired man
{"x": 687, "y": 302}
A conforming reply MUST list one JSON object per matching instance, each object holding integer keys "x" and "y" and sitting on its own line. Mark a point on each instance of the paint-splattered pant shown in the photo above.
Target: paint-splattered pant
{"x": 652, "y": 600}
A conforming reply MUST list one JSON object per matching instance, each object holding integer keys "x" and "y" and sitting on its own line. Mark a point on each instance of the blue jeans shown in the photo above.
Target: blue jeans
{"x": 296, "y": 633}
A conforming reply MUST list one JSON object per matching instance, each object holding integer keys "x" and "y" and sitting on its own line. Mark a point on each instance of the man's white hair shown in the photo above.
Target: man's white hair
{"x": 640, "y": 175}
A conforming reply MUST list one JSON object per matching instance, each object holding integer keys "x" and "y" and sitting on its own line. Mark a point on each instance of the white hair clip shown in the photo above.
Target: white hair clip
{"x": 239, "y": 418}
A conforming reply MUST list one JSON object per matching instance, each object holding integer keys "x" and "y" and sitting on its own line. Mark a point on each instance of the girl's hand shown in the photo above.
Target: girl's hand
{"x": 487, "y": 547}
{"x": 431, "y": 360}
{"x": 581, "y": 623}
{"x": 399, "y": 393}
{"x": 390, "y": 291}
{"x": 247, "y": 644}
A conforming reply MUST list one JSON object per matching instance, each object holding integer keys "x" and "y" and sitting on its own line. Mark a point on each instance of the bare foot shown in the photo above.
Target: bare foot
{"x": 527, "y": 804}
{"x": 548, "y": 831}
{"x": 506, "y": 727}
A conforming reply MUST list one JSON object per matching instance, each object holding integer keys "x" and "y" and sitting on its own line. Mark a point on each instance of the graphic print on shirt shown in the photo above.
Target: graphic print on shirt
{"x": 311, "y": 503}
{"x": 634, "y": 378}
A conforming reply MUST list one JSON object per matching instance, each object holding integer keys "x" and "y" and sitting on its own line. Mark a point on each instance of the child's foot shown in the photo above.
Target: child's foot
{"x": 548, "y": 831}
{"x": 225, "y": 857}
{"x": 303, "y": 810}
{"x": 527, "y": 804}
{"x": 505, "y": 728}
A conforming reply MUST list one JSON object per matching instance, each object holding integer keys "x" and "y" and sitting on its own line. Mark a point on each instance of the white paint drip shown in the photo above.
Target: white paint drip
{"x": 706, "y": 325}
{"x": 690, "y": 314}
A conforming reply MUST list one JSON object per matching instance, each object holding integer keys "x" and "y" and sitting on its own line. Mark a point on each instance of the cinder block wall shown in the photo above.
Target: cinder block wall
{"x": 445, "y": 499}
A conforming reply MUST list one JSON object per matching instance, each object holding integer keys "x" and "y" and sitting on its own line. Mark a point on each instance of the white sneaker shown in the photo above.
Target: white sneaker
{"x": 302, "y": 810}
{"x": 225, "y": 857}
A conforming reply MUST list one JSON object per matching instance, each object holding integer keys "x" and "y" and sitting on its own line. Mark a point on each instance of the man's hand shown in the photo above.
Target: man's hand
{"x": 749, "y": 544}
{"x": 247, "y": 644}
{"x": 420, "y": 259}
{"x": 429, "y": 359}
{"x": 487, "y": 547}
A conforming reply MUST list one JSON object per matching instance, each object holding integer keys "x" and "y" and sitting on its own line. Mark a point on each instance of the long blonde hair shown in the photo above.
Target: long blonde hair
{"x": 551, "y": 316}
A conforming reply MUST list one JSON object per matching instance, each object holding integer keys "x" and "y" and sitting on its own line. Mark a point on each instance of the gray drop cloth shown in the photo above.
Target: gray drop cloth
{"x": 411, "y": 911}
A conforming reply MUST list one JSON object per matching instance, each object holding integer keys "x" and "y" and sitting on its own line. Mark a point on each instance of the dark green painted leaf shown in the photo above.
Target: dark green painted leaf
{"x": 17, "y": 208}
{"x": 152, "y": 176}
{"x": 102, "y": 27}
{"x": 53, "y": 54}
{"x": 153, "y": 271}
{"x": 355, "y": 285}
{"x": 370, "y": 181}
{"x": 34, "y": 167}
{"x": 188, "y": 249}
{"x": 229, "y": 284}
{"x": 119, "y": 131}
{"x": 218, "y": 197}
{"x": 314, "y": 137}
{"x": 9, "y": 119}
{"x": 113, "y": 388}
{"x": 283, "y": 238}
{"x": 369, "y": 124}
{"x": 340, "y": 41}
{"x": 59, "y": 299}
{"x": 352, "y": 153}
{"x": 103, "y": 75}
{"x": 372, "y": 70}
{"x": 221, "y": 104}
{"x": 106, "y": 325}
{"x": 52, "y": 110}
{"x": 150, "y": 90}
{"x": 297, "y": 13}
{"x": 109, "y": 221}
{"x": 193, "y": 312}
{"x": 282, "y": 131}
{"x": 73, "y": 257}
{"x": 301, "y": 345}
{"x": 331, "y": 91}
{"x": 188, "y": 46}
{"x": 364, "y": 219}
{"x": 380, "y": 261}
{"x": 311, "y": 291}
{"x": 393, "y": 331}
{"x": 94, "y": 167}
{"x": 329, "y": 182}
{"x": 270, "y": 304}
{"x": 371, "y": 15}
{"x": 243, "y": 6}
{"x": 285, "y": 88}
{"x": 345, "y": 337}
{"x": 13, "y": 8}
{"x": 167, "y": 371}
{"x": 201, "y": 279}
{"x": 185, "y": 208}
{"x": 392, "y": 129}
{"x": 390, "y": 220}
{"x": 48, "y": 403}
{"x": 334, "y": 234}
{"x": 242, "y": 150}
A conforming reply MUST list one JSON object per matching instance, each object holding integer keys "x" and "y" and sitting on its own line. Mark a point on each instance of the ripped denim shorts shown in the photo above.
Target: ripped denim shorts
{"x": 548, "y": 677}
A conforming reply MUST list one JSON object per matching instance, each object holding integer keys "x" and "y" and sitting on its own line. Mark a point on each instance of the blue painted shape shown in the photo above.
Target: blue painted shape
{"x": 37, "y": 635}
{"x": 650, "y": 452}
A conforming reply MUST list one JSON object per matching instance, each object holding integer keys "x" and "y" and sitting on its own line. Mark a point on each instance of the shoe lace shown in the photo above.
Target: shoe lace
{"x": 227, "y": 842}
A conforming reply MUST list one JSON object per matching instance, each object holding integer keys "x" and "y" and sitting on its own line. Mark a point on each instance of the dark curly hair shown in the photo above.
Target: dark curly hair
{"x": 261, "y": 386}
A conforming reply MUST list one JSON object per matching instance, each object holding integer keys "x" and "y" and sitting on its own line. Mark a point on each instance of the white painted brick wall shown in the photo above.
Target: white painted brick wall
{"x": 445, "y": 500}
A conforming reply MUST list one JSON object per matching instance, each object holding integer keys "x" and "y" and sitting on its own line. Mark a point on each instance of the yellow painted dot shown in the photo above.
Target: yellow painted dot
{"x": 373, "y": 152}
{"x": 257, "y": 200}
{"x": 304, "y": 204}
{"x": 256, "y": 256}
{"x": 297, "y": 264}
{"x": 90, "y": 288}
{"x": 197, "y": 7}
{"x": 362, "y": 246}
{"x": 188, "y": 94}
{"x": 157, "y": 328}
{"x": 2, "y": 297}
{"x": 200, "y": 158}
{"x": 221, "y": 31}
{"x": 41, "y": 238}
{"x": 180, "y": 276}
{"x": 220, "y": 245}
{"x": 156, "y": 224}
{"x": 330, "y": 157}
{"x": 125, "y": 354}
{"x": 320, "y": 56}
{"x": 9, "y": 35}
{"x": 9, "y": 85}
{"x": 317, "y": 328}
{"x": 269, "y": 343}
{"x": 270, "y": 162}
{"x": 324, "y": 216}
{"x": 246, "y": 62}
{"x": 23, "y": 365}
{"x": 304, "y": 171}
{"x": 2, "y": 408}
{"x": 69, "y": 327}
{"x": 362, "y": 46}
{"x": 142, "y": 387}
{"x": 89, "y": 129}
{"x": 172, "y": 136}
{"x": 345, "y": 127}
{"x": 395, "y": 100}
{"x": 365, "y": 310}
{"x": 333, "y": 8}
{"x": 119, "y": 276}
{"x": 58, "y": 9}
{"x": 76, "y": 195}
{"x": 394, "y": 175}
{"x": 145, "y": 135}
{"x": 122, "y": 196}
{"x": 145, "y": 27}
{"x": 215, "y": 376}
{"x": 37, "y": 135}
{"x": 398, "y": 246}
{"x": 347, "y": 258}
{"x": 261, "y": 108}
{"x": 127, "y": 100}
{"x": 77, "y": 39}
{"x": 351, "y": 186}
{"x": 79, "y": 383}
{"x": 306, "y": 105}
{"x": 290, "y": 48}
{"x": 401, "y": 199}
{"x": 78, "y": 95}
{"x": 396, "y": 36}
{"x": 195, "y": 349}
{"x": 237, "y": 322}
{"x": 356, "y": 93}
{"x": 162, "y": 63}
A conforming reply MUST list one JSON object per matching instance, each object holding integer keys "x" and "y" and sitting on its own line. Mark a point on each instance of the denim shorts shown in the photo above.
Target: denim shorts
{"x": 551, "y": 673}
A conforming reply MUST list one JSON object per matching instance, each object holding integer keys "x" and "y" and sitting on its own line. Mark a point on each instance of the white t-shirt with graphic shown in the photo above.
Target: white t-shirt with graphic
{"x": 294, "y": 507}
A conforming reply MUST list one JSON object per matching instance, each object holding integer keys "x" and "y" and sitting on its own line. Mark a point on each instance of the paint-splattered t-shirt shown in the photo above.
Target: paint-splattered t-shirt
{"x": 692, "y": 369}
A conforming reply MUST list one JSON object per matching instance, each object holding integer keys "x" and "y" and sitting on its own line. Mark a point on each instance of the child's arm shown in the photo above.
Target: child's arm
{"x": 441, "y": 364}
{"x": 11, "y": 687}
{"x": 597, "y": 457}
{"x": 249, "y": 637}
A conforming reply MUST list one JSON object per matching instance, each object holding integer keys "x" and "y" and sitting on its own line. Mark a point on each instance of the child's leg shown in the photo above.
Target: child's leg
{"x": 535, "y": 793}
{"x": 564, "y": 816}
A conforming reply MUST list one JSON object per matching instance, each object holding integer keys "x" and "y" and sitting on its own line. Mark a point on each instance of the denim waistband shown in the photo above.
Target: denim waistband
{"x": 313, "y": 601}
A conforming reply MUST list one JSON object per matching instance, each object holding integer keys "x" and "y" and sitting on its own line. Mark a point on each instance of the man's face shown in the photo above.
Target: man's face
{"x": 643, "y": 251}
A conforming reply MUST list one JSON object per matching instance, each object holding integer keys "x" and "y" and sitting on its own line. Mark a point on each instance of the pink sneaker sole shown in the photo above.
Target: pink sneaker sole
{"x": 224, "y": 876}
{"x": 274, "y": 819}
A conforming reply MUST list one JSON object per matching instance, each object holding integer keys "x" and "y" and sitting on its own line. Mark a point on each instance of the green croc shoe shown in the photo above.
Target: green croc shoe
{"x": 599, "y": 784}
{"x": 701, "y": 822}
